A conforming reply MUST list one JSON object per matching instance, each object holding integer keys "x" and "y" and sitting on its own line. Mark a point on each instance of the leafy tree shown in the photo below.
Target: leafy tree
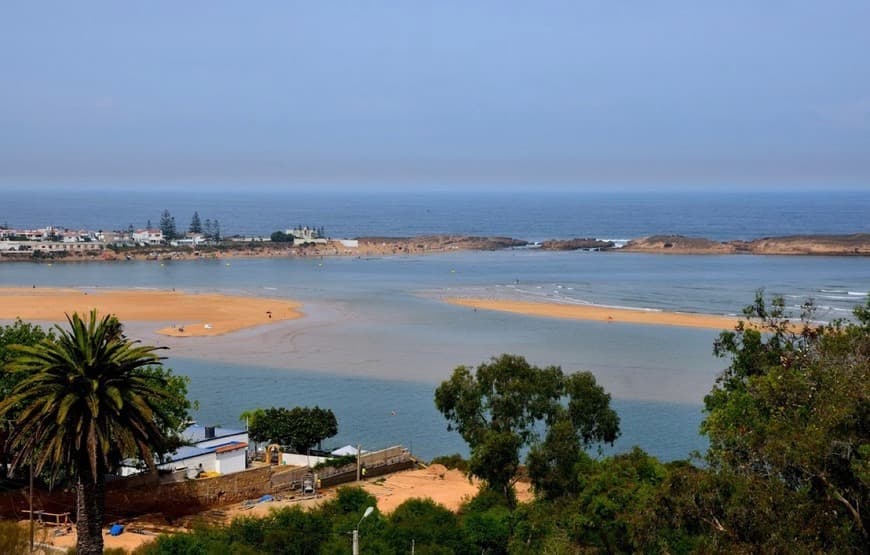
{"x": 207, "y": 229}
{"x": 195, "y": 224}
{"x": 281, "y": 237}
{"x": 216, "y": 231}
{"x": 791, "y": 414}
{"x": 500, "y": 408}
{"x": 85, "y": 405}
{"x": 17, "y": 333}
{"x": 300, "y": 428}
{"x": 167, "y": 225}
{"x": 428, "y": 525}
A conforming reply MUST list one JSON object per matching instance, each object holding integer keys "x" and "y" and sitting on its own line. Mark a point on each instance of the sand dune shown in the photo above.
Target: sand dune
{"x": 175, "y": 313}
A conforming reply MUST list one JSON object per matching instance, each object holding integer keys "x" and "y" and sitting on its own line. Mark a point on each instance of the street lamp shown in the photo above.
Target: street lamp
{"x": 367, "y": 512}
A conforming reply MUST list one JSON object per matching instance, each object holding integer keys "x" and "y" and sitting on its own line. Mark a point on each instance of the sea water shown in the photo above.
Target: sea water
{"x": 378, "y": 338}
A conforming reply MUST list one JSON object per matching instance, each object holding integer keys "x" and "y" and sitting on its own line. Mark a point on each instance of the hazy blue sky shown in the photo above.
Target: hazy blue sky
{"x": 617, "y": 92}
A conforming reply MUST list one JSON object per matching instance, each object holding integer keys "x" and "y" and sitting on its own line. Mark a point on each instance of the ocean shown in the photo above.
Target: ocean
{"x": 377, "y": 338}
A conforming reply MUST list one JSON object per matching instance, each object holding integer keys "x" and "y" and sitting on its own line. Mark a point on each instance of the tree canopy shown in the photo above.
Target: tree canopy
{"x": 792, "y": 411}
{"x": 87, "y": 400}
{"x": 299, "y": 428}
{"x": 499, "y": 408}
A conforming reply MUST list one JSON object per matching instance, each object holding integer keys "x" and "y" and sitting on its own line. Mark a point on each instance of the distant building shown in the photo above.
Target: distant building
{"x": 211, "y": 449}
{"x": 307, "y": 235}
{"x": 148, "y": 236}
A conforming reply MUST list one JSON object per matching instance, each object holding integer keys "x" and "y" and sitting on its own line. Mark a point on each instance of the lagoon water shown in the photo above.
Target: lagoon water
{"x": 377, "y": 337}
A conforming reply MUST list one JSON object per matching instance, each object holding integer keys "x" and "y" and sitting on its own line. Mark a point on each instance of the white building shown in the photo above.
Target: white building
{"x": 306, "y": 235}
{"x": 211, "y": 449}
{"x": 148, "y": 236}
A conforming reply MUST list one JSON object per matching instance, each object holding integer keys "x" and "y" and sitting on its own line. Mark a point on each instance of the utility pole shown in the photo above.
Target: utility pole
{"x": 355, "y": 550}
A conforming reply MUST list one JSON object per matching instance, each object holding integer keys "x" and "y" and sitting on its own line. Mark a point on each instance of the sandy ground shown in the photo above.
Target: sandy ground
{"x": 449, "y": 488}
{"x": 598, "y": 313}
{"x": 174, "y": 313}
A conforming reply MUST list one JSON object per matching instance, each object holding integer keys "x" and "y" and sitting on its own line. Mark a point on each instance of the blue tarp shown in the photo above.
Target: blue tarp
{"x": 116, "y": 529}
{"x": 266, "y": 498}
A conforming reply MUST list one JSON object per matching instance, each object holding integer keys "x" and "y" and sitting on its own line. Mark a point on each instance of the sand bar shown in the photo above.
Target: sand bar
{"x": 599, "y": 313}
{"x": 175, "y": 313}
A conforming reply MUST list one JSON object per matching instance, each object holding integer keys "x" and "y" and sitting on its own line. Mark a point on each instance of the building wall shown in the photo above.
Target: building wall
{"x": 232, "y": 461}
{"x": 208, "y": 462}
{"x": 293, "y": 459}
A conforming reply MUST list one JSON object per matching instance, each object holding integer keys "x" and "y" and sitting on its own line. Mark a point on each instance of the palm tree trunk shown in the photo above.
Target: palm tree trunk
{"x": 90, "y": 503}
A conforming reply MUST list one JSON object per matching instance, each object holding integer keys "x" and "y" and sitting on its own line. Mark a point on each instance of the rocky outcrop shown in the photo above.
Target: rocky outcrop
{"x": 577, "y": 244}
{"x": 677, "y": 244}
{"x": 832, "y": 245}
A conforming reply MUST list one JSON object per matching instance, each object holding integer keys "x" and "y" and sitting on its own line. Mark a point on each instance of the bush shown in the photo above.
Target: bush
{"x": 452, "y": 462}
{"x": 14, "y": 538}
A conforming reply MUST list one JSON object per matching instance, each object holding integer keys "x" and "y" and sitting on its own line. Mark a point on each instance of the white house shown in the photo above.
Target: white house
{"x": 211, "y": 449}
{"x": 306, "y": 235}
{"x": 148, "y": 236}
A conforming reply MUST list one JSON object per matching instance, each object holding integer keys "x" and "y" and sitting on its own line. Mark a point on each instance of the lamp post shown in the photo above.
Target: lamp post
{"x": 367, "y": 512}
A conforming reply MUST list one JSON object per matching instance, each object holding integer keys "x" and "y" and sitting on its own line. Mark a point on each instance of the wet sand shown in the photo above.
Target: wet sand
{"x": 599, "y": 313}
{"x": 174, "y": 313}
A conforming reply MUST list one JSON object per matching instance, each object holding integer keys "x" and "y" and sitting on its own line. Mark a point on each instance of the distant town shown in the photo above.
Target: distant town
{"x": 57, "y": 241}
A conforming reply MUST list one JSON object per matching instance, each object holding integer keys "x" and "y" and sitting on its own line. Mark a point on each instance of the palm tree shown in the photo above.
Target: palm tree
{"x": 85, "y": 404}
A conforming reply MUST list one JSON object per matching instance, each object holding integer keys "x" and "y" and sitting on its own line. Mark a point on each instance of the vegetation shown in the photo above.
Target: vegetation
{"x": 499, "y": 409}
{"x": 299, "y": 428}
{"x": 281, "y": 237}
{"x": 89, "y": 397}
{"x": 167, "y": 226}
{"x": 788, "y": 469}
{"x": 195, "y": 224}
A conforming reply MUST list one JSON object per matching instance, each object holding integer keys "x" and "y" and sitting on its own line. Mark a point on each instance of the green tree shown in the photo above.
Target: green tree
{"x": 86, "y": 403}
{"x": 428, "y": 525}
{"x": 167, "y": 226}
{"x": 216, "y": 231}
{"x": 500, "y": 408}
{"x": 791, "y": 413}
{"x": 300, "y": 428}
{"x": 17, "y": 333}
{"x": 195, "y": 224}
{"x": 281, "y": 237}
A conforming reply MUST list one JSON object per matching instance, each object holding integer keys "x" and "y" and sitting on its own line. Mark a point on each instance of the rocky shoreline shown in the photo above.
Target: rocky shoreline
{"x": 857, "y": 244}
{"x": 818, "y": 245}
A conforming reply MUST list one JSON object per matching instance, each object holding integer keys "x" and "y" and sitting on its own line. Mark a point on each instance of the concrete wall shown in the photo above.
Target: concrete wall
{"x": 208, "y": 462}
{"x": 232, "y": 461}
{"x": 293, "y": 459}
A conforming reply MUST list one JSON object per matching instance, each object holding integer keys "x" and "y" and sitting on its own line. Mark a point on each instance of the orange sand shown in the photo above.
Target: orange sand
{"x": 178, "y": 314}
{"x": 449, "y": 488}
{"x": 599, "y": 313}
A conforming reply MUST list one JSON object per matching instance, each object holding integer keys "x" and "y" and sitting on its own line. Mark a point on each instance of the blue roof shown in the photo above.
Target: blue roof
{"x": 196, "y": 433}
{"x": 188, "y": 452}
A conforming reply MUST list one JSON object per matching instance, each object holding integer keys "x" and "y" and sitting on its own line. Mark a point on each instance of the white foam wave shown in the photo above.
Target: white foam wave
{"x": 857, "y": 293}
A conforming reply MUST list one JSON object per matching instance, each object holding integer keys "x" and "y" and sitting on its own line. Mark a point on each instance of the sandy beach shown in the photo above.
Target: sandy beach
{"x": 598, "y": 313}
{"x": 174, "y": 313}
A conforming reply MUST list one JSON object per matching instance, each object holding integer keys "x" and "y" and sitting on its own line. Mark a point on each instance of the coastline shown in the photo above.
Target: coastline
{"x": 598, "y": 313}
{"x": 798, "y": 245}
{"x": 175, "y": 313}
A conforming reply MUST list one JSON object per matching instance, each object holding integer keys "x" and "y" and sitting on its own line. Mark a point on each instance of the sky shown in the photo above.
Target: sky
{"x": 361, "y": 93}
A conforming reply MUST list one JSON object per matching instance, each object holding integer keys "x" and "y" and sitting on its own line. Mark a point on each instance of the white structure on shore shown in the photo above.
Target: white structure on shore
{"x": 307, "y": 235}
{"x": 212, "y": 449}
